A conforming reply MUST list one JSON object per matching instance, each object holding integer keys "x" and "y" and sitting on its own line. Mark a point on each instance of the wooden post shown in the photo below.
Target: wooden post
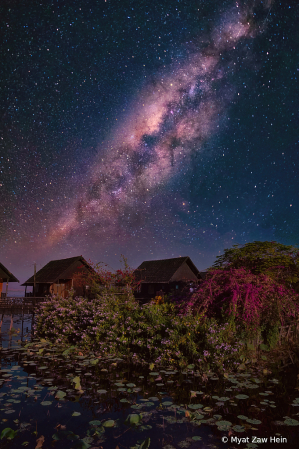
{"x": 6, "y": 287}
{"x": 34, "y": 279}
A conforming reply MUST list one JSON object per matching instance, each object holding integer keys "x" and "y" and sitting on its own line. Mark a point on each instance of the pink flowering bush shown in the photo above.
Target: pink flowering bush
{"x": 254, "y": 302}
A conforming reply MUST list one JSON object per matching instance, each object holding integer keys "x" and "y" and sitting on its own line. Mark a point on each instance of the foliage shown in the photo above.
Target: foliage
{"x": 101, "y": 280}
{"x": 273, "y": 259}
{"x": 248, "y": 300}
{"x": 143, "y": 333}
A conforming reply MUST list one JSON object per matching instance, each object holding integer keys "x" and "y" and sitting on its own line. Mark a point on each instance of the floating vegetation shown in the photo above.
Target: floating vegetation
{"x": 116, "y": 403}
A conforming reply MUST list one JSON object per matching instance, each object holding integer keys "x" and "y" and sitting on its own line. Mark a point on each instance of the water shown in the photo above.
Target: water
{"x": 81, "y": 401}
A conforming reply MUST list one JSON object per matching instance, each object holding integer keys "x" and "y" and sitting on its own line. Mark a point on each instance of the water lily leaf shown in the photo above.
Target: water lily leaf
{"x": 121, "y": 389}
{"x": 291, "y": 422}
{"x": 196, "y": 438}
{"x": 243, "y": 417}
{"x": 76, "y": 414}
{"x": 208, "y": 409}
{"x": 153, "y": 398}
{"x": 60, "y": 394}
{"x": 94, "y": 361}
{"x": 190, "y": 366}
{"x": 195, "y": 406}
{"x": 109, "y": 423}
{"x": 124, "y": 400}
{"x": 102, "y": 391}
{"x": 223, "y": 423}
{"x": 8, "y": 412}
{"x": 167, "y": 403}
{"x": 242, "y": 396}
{"x": 154, "y": 374}
{"x": 253, "y": 421}
{"x": 46, "y": 403}
{"x": 239, "y": 428}
{"x": 133, "y": 419}
{"x": 96, "y": 422}
{"x": 131, "y": 385}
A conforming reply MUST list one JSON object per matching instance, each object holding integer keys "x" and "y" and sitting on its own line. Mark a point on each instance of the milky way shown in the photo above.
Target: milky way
{"x": 170, "y": 119}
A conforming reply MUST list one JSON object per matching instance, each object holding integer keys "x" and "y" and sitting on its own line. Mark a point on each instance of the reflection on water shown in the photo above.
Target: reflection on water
{"x": 14, "y": 328}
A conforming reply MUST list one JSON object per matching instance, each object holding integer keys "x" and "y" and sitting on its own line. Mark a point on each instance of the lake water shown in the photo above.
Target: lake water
{"x": 63, "y": 400}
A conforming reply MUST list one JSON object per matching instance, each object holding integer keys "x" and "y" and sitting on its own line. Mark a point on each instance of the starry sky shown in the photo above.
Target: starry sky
{"x": 149, "y": 129}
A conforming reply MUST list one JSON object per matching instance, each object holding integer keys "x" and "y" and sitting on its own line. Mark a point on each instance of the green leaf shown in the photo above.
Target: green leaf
{"x": 133, "y": 419}
{"x": 76, "y": 414}
{"x": 291, "y": 422}
{"x": 60, "y": 394}
{"x": 109, "y": 423}
{"x": 46, "y": 403}
{"x": 8, "y": 433}
{"x": 195, "y": 406}
{"x": 96, "y": 422}
{"x": 196, "y": 438}
{"x": 145, "y": 444}
{"x": 242, "y": 396}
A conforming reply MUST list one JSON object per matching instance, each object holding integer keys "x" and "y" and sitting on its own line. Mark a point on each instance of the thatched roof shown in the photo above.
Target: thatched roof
{"x": 161, "y": 271}
{"x": 6, "y": 275}
{"x": 57, "y": 269}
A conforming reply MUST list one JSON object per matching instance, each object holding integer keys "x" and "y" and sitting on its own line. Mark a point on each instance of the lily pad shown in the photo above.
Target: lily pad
{"x": 46, "y": 403}
{"x": 195, "y": 406}
{"x": 133, "y": 419}
{"x": 291, "y": 422}
{"x": 242, "y": 396}
{"x": 96, "y": 422}
{"x": 109, "y": 423}
{"x": 76, "y": 414}
{"x": 239, "y": 428}
{"x": 253, "y": 421}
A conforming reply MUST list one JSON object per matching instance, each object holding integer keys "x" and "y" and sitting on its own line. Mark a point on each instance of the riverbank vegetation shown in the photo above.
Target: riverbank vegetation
{"x": 239, "y": 311}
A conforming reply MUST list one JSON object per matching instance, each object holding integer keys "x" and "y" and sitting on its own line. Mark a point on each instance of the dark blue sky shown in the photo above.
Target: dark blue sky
{"x": 149, "y": 129}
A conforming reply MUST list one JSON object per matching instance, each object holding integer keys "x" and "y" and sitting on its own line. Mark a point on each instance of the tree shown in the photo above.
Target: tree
{"x": 101, "y": 280}
{"x": 278, "y": 261}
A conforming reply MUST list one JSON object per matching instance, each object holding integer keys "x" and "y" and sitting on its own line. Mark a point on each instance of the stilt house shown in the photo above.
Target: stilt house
{"x": 60, "y": 276}
{"x": 5, "y": 277}
{"x": 158, "y": 277}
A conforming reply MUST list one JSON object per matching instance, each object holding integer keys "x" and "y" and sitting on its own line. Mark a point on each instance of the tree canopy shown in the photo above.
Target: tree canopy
{"x": 278, "y": 261}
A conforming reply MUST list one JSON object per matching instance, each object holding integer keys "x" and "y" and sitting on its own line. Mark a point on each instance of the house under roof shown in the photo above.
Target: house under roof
{"x": 58, "y": 276}
{"x": 166, "y": 270}
{"x": 6, "y": 275}
{"x": 164, "y": 275}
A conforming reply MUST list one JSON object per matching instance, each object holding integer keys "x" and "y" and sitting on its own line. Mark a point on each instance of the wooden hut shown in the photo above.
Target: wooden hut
{"x": 60, "y": 276}
{"x": 5, "y": 277}
{"x": 158, "y": 277}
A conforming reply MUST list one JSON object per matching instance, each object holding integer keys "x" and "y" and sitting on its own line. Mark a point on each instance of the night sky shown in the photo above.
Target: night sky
{"x": 150, "y": 129}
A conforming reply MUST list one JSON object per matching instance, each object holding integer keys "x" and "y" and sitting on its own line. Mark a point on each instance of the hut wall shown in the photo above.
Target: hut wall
{"x": 184, "y": 273}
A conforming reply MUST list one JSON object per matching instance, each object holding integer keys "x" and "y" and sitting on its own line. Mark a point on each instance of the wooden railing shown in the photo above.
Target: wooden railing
{"x": 20, "y": 302}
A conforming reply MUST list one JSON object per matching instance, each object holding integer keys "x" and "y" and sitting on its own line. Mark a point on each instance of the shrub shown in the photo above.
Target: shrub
{"x": 151, "y": 332}
{"x": 251, "y": 301}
